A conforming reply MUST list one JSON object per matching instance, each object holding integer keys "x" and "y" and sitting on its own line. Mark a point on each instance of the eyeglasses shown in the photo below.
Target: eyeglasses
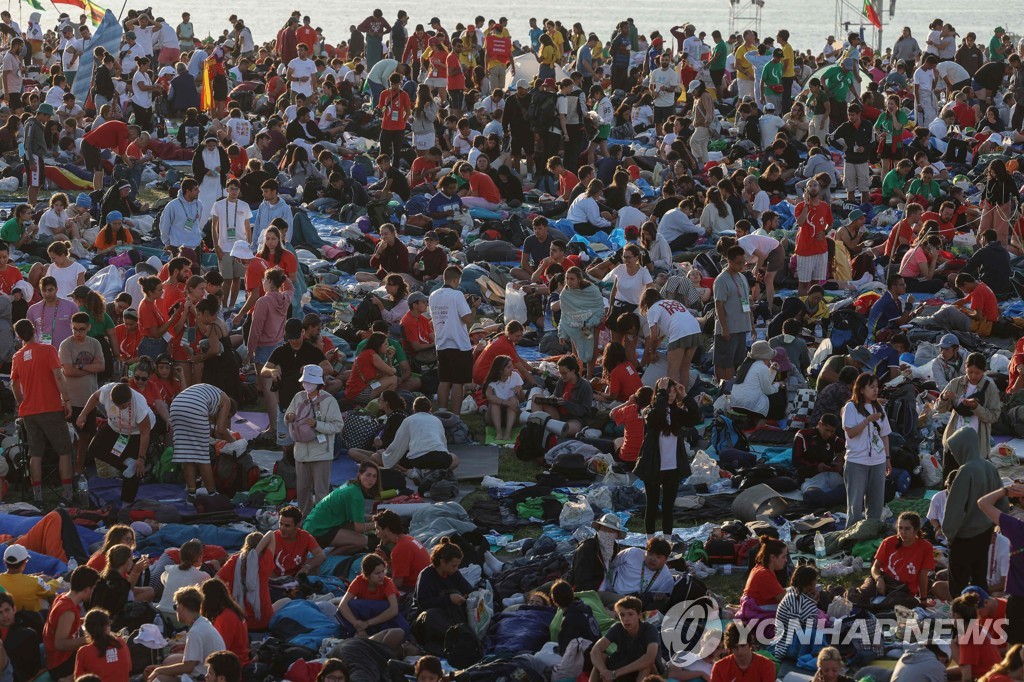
{"x": 79, "y": 329}
{"x": 141, "y": 378}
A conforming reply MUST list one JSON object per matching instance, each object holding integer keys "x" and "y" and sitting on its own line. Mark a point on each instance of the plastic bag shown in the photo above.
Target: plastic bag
{"x": 600, "y": 463}
{"x": 575, "y": 514}
{"x": 705, "y": 470}
{"x": 479, "y": 611}
{"x": 515, "y": 304}
{"x": 931, "y": 470}
{"x": 840, "y": 607}
{"x": 601, "y": 498}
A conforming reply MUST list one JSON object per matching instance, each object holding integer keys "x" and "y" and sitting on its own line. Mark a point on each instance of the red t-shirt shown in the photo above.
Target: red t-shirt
{"x": 127, "y": 344}
{"x": 227, "y": 574}
{"x": 420, "y": 165}
{"x": 819, "y": 221}
{"x": 61, "y": 605}
{"x": 567, "y": 183}
{"x": 946, "y": 230}
{"x": 172, "y": 294}
{"x": 498, "y": 48}
{"x": 456, "y": 76}
{"x": 150, "y": 316}
{"x": 903, "y": 230}
{"x": 763, "y": 587}
{"x": 32, "y": 367}
{"x": 982, "y": 300}
{"x": 305, "y": 35}
{"x": 499, "y": 346}
{"x": 111, "y": 135}
{"x": 628, "y": 416}
{"x": 360, "y": 589}
{"x": 287, "y": 262}
{"x": 363, "y": 372}
{"x": 291, "y": 554}
{"x": 254, "y": 272}
{"x": 980, "y": 656}
{"x": 623, "y": 381}
{"x": 393, "y": 106}
{"x": 9, "y": 276}
{"x": 419, "y": 329}
{"x": 408, "y": 559}
{"x": 484, "y": 187}
{"x": 97, "y": 562}
{"x": 235, "y": 634}
{"x": 760, "y": 670}
{"x": 905, "y": 563}
{"x": 111, "y": 665}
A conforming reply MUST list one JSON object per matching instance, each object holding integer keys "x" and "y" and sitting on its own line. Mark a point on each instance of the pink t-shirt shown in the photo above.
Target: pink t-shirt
{"x": 912, "y": 262}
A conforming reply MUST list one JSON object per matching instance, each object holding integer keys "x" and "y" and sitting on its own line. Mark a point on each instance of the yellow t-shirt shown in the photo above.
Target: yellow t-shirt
{"x": 788, "y": 66}
{"x": 549, "y": 54}
{"x": 744, "y": 69}
{"x": 558, "y": 40}
{"x": 30, "y": 592}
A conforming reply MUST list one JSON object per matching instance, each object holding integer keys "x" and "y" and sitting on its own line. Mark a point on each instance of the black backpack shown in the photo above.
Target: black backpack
{"x": 517, "y": 230}
{"x": 849, "y": 330}
{"x": 902, "y": 414}
{"x": 573, "y": 466}
{"x": 543, "y": 111}
{"x": 462, "y": 648}
{"x": 533, "y": 440}
{"x": 280, "y": 654}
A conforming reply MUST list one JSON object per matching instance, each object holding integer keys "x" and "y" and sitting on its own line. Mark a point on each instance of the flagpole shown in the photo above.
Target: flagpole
{"x": 121, "y": 13}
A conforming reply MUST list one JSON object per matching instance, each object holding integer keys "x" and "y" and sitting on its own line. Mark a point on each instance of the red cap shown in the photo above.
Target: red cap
{"x": 549, "y": 83}
{"x": 634, "y": 172}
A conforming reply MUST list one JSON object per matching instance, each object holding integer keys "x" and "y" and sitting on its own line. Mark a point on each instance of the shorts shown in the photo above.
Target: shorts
{"x": 327, "y": 537}
{"x": 729, "y": 353}
{"x": 65, "y": 669}
{"x": 812, "y": 268}
{"x": 231, "y": 268}
{"x": 438, "y": 83}
{"x": 47, "y": 431}
{"x": 618, "y": 310}
{"x": 284, "y": 438}
{"x": 36, "y": 173}
{"x": 688, "y": 341}
{"x": 455, "y": 366}
{"x": 776, "y": 259}
{"x": 169, "y": 56}
{"x": 262, "y": 354}
{"x": 423, "y": 141}
{"x": 604, "y": 131}
{"x": 364, "y": 396}
{"x": 857, "y": 177}
{"x": 436, "y": 459}
{"x": 91, "y": 155}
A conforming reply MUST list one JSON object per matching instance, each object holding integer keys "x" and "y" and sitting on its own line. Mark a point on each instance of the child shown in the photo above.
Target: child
{"x": 503, "y": 389}
{"x": 627, "y": 415}
{"x": 937, "y": 508}
{"x": 430, "y": 262}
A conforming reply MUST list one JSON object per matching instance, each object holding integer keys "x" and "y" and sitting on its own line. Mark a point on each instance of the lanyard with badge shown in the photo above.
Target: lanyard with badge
{"x": 122, "y": 439}
{"x": 48, "y": 338}
{"x": 190, "y": 222}
{"x": 232, "y": 224}
{"x": 744, "y": 297}
{"x": 645, "y": 588}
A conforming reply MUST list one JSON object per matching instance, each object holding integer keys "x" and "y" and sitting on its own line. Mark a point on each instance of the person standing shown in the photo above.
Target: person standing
{"x": 179, "y": 221}
{"x": 925, "y": 85}
{"x": 36, "y": 148}
{"x": 451, "y": 312}
{"x": 51, "y": 317}
{"x": 82, "y": 360}
{"x": 313, "y": 419}
{"x": 813, "y": 220}
{"x": 44, "y": 404}
{"x": 1012, "y": 528}
{"x": 375, "y": 27}
{"x": 855, "y": 135}
{"x": 732, "y": 314}
{"x": 788, "y": 71}
{"x": 703, "y": 115}
{"x": 867, "y": 450}
{"x": 664, "y": 88}
{"x": 230, "y": 221}
{"x": 399, "y": 35}
{"x": 395, "y": 108}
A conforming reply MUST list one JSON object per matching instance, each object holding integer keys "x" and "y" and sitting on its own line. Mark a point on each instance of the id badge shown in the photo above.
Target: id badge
{"x": 46, "y": 338}
{"x": 745, "y": 304}
{"x": 374, "y": 385}
{"x": 119, "y": 445}
{"x": 321, "y": 438}
{"x": 231, "y": 234}
{"x": 168, "y": 337}
{"x": 189, "y": 224}
{"x": 394, "y": 115}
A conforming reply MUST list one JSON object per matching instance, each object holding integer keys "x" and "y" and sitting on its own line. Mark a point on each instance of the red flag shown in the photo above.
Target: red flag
{"x": 871, "y": 14}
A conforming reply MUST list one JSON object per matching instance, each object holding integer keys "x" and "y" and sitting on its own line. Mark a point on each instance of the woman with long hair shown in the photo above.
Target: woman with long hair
{"x": 153, "y": 322}
{"x": 228, "y": 618}
{"x": 503, "y": 389}
{"x": 119, "y": 534}
{"x": 997, "y": 200}
{"x": 116, "y": 584}
{"x": 216, "y": 354}
{"x": 620, "y": 376}
{"x": 797, "y": 611}
{"x": 183, "y": 574}
{"x": 1010, "y": 668}
{"x": 716, "y": 218}
{"x": 973, "y": 649}
{"x": 273, "y": 251}
{"x": 101, "y": 326}
{"x": 372, "y": 372}
{"x": 267, "y": 331}
{"x": 867, "y": 450}
{"x": 901, "y": 564}
{"x": 184, "y": 344}
{"x": 657, "y": 247}
{"x": 763, "y": 590}
{"x": 247, "y": 575}
{"x": 586, "y": 212}
{"x": 664, "y": 460}
{"x": 440, "y": 595}
{"x": 143, "y": 90}
{"x": 889, "y": 130}
{"x": 424, "y": 111}
{"x": 104, "y": 654}
{"x": 340, "y": 520}
{"x": 333, "y": 670}
{"x": 547, "y": 56}
{"x": 112, "y": 235}
{"x": 581, "y": 306}
{"x": 629, "y": 280}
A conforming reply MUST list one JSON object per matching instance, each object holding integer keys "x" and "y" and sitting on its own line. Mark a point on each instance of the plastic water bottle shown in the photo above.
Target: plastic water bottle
{"x": 72, "y": 565}
{"x": 82, "y": 488}
{"x": 819, "y": 546}
{"x": 159, "y": 623}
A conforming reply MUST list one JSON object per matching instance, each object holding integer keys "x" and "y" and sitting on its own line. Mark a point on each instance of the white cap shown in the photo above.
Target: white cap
{"x": 521, "y": 84}
{"x": 15, "y": 554}
{"x": 312, "y": 374}
{"x": 167, "y": 71}
{"x": 694, "y": 84}
{"x": 230, "y": 42}
{"x": 769, "y": 106}
{"x": 25, "y": 288}
{"x": 241, "y": 250}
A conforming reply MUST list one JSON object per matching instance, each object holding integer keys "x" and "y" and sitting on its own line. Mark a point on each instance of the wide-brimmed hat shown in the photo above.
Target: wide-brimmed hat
{"x": 861, "y": 354}
{"x": 762, "y": 350}
{"x": 241, "y": 250}
{"x": 312, "y": 374}
{"x": 611, "y": 522}
{"x": 150, "y": 637}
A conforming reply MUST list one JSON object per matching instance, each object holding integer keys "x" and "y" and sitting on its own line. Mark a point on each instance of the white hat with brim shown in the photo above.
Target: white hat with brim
{"x": 150, "y": 637}
{"x": 610, "y": 522}
{"x": 312, "y": 374}
{"x": 25, "y": 288}
{"x": 762, "y": 350}
{"x": 241, "y": 250}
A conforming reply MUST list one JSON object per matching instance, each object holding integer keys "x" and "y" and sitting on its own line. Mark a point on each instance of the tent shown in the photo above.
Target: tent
{"x": 107, "y": 36}
{"x": 527, "y": 67}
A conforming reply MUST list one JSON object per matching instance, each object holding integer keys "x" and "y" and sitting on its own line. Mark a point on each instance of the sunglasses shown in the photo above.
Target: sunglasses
{"x": 141, "y": 378}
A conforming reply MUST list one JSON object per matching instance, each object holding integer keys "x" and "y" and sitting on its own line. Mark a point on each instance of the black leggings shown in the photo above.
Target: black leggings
{"x": 663, "y": 490}
{"x": 143, "y": 117}
{"x": 101, "y": 448}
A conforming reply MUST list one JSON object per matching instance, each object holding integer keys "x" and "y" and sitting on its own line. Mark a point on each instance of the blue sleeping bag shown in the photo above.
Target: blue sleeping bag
{"x": 176, "y": 534}
{"x": 513, "y": 632}
{"x": 41, "y": 563}
{"x": 301, "y": 622}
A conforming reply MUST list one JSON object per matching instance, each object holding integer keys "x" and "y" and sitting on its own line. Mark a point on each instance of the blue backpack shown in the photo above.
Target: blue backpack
{"x": 725, "y": 435}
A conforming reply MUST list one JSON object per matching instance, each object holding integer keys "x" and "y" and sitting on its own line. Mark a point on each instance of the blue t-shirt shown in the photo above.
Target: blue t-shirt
{"x": 536, "y": 250}
{"x": 585, "y": 56}
{"x": 606, "y": 168}
{"x": 535, "y": 34}
{"x": 439, "y": 203}
{"x": 621, "y": 50}
{"x": 883, "y": 357}
{"x": 882, "y": 312}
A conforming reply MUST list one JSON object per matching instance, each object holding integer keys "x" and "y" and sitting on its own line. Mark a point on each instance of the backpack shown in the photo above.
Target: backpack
{"x": 272, "y": 488}
{"x": 164, "y": 470}
{"x": 573, "y": 466}
{"x": 543, "y": 111}
{"x": 902, "y": 414}
{"x": 720, "y": 551}
{"x": 517, "y": 230}
{"x": 491, "y": 251}
{"x": 358, "y": 429}
{"x": 455, "y": 429}
{"x": 235, "y": 474}
{"x": 279, "y": 655}
{"x": 708, "y": 265}
{"x": 849, "y": 330}
{"x": 724, "y": 434}
{"x": 534, "y": 440}
{"x": 7, "y": 401}
{"x": 462, "y": 648}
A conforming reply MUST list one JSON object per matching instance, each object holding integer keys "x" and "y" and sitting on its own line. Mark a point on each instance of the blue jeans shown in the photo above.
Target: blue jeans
{"x": 152, "y": 348}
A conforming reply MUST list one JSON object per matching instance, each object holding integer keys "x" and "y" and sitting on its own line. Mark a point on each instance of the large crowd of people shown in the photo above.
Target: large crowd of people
{"x": 605, "y": 250}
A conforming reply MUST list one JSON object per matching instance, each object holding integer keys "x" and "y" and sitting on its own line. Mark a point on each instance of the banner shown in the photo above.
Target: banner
{"x": 107, "y": 36}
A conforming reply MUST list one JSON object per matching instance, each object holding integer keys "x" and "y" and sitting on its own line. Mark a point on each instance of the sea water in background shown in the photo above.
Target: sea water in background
{"x": 809, "y": 22}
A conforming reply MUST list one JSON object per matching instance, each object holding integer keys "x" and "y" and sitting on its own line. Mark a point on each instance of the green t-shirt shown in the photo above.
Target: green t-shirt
{"x": 396, "y": 360}
{"x": 343, "y": 505}
{"x": 98, "y": 330}
{"x": 771, "y": 74}
{"x": 11, "y": 231}
{"x": 892, "y": 181}
{"x": 838, "y": 82}
{"x": 995, "y": 49}
{"x": 930, "y": 190}
{"x": 719, "y": 56}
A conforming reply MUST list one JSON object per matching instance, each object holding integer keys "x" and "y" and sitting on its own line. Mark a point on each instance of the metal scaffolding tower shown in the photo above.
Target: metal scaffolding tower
{"x": 744, "y": 15}
{"x": 850, "y": 17}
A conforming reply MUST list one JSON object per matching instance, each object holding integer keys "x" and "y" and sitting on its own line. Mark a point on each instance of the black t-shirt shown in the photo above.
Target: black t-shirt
{"x": 990, "y": 76}
{"x": 629, "y": 649}
{"x": 291, "y": 363}
{"x": 991, "y": 263}
{"x": 399, "y": 183}
{"x": 664, "y": 206}
{"x": 366, "y": 659}
{"x": 536, "y": 250}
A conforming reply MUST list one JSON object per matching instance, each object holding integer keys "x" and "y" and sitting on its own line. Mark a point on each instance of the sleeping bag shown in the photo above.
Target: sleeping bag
{"x": 302, "y": 623}
{"x": 525, "y": 629}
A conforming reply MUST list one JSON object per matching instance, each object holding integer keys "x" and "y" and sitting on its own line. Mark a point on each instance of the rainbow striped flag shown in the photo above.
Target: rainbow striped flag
{"x": 94, "y": 11}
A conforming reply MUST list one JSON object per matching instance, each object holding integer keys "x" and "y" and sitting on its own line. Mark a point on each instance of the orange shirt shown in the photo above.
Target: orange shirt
{"x": 763, "y": 587}
{"x": 306, "y": 35}
{"x": 905, "y": 563}
{"x": 32, "y": 368}
{"x": 150, "y": 316}
{"x": 419, "y": 329}
{"x": 760, "y": 670}
{"x": 902, "y": 230}
{"x": 9, "y": 276}
{"x": 819, "y": 221}
{"x": 235, "y": 633}
{"x": 363, "y": 372}
{"x": 623, "y": 381}
{"x": 61, "y": 605}
{"x": 946, "y": 230}
{"x": 172, "y": 294}
{"x": 360, "y": 589}
{"x": 254, "y": 272}
{"x": 227, "y": 574}
{"x": 104, "y": 242}
{"x": 127, "y": 344}
{"x": 113, "y": 664}
{"x": 483, "y": 186}
{"x": 628, "y": 416}
{"x": 408, "y": 559}
{"x": 499, "y": 346}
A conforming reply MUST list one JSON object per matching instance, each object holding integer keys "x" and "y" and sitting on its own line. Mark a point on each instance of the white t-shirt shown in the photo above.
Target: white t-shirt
{"x": 55, "y": 96}
{"x": 925, "y": 79}
{"x": 67, "y": 278}
{"x": 674, "y": 321}
{"x": 126, "y": 421}
{"x": 71, "y": 54}
{"x": 241, "y": 131}
{"x": 300, "y": 68}
{"x": 144, "y": 39}
{"x": 174, "y": 579}
{"x": 692, "y": 48}
{"x": 758, "y": 242}
{"x": 935, "y": 38}
{"x": 629, "y": 288}
{"x": 447, "y": 308}
{"x": 770, "y": 125}
{"x": 867, "y": 448}
{"x": 50, "y": 221}
{"x": 230, "y": 221}
{"x": 246, "y": 38}
{"x": 143, "y": 98}
{"x": 761, "y": 202}
{"x": 201, "y": 641}
{"x": 328, "y": 117}
{"x": 507, "y": 389}
{"x": 664, "y": 78}
{"x": 629, "y": 215}
{"x": 667, "y": 445}
{"x": 628, "y": 574}
{"x": 953, "y": 71}
{"x": 937, "y": 507}
{"x": 168, "y": 36}
{"x": 130, "y": 53}
{"x": 998, "y": 553}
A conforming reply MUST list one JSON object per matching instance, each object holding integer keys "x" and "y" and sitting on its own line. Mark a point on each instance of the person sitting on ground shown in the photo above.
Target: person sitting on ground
{"x": 371, "y": 602}
{"x": 795, "y": 347}
{"x": 830, "y": 400}
{"x": 757, "y": 390}
{"x": 420, "y": 442}
{"x": 819, "y": 449}
{"x": 405, "y": 555}
{"x": 578, "y": 619}
{"x": 21, "y": 643}
{"x": 979, "y": 304}
{"x": 504, "y": 344}
{"x": 859, "y": 358}
{"x": 741, "y": 663}
{"x": 573, "y": 398}
{"x": 29, "y": 592}
{"x": 503, "y": 388}
{"x": 201, "y": 640}
{"x": 339, "y": 520}
{"x": 228, "y": 618}
{"x": 763, "y": 591}
{"x": 439, "y": 587}
{"x": 974, "y": 650}
{"x": 636, "y": 646}
{"x": 185, "y": 573}
{"x": 116, "y": 587}
{"x": 372, "y": 373}
{"x": 593, "y": 556}
{"x": 61, "y": 638}
{"x": 297, "y": 552}
{"x": 901, "y": 565}
{"x": 628, "y": 571}
{"x": 247, "y": 575}
{"x": 797, "y": 612}
{"x": 106, "y": 655}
